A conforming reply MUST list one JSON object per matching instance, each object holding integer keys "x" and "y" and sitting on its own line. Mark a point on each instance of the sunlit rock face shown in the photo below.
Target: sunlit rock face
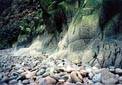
{"x": 79, "y": 37}
{"x": 80, "y": 34}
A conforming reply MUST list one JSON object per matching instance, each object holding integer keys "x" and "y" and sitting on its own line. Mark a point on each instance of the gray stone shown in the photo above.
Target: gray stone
{"x": 5, "y": 78}
{"x": 1, "y": 76}
{"x": 120, "y": 80}
{"x": 96, "y": 78}
{"x": 13, "y": 82}
{"x": 108, "y": 77}
{"x": 40, "y": 72}
{"x": 25, "y": 81}
{"x": 42, "y": 81}
{"x": 112, "y": 69}
{"x": 19, "y": 82}
{"x": 91, "y": 75}
{"x": 87, "y": 81}
{"x": 118, "y": 71}
{"x": 31, "y": 81}
{"x": 20, "y": 70}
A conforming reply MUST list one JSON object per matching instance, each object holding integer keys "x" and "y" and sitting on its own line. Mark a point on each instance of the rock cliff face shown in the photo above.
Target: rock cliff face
{"x": 20, "y": 24}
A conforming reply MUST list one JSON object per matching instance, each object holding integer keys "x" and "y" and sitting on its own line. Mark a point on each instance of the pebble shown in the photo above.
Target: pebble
{"x": 40, "y": 72}
{"x": 35, "y": 63}
{"x": 96, "y": 78}
{"x": 95, "y": 69}
{"x": 50, "y": 80}
{"x": 61, "y": 80}
{"x": 19, "y": 82}
{"x": 108, "y": 77}
{"x": 84, "y": 73}
{"x": 29, "y": 74}
{"x": 38, "y": 77}
{"x": 76, "y": 77}
{"x": 65, "y": 77}
{"x": 118, "y": 71}
{"x": 20, "y": 70}
{"x": 25, "y": 81}
{"x": 120, "y": 80}
{"x": 42, "y": 81}
{"x": 86, "y": 81}
{"x": 90, "y": 75}
{"x": 88, "y": 69}
{"x": 1, "y": 76}
{"x": 18, "y": 66}
{"x": 112, "y": 69}
{"x": 13, "y": 82}
{"x": 5, "y": 78}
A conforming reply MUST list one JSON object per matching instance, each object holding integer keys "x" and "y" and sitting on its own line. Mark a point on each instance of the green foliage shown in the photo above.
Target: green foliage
{"x": 31, "y": 23}
{"x": 94, "y": 3}
{"x": 46, "y": 2}
{"x": 25, "y": 27}
{"x": 87, "y": 8}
